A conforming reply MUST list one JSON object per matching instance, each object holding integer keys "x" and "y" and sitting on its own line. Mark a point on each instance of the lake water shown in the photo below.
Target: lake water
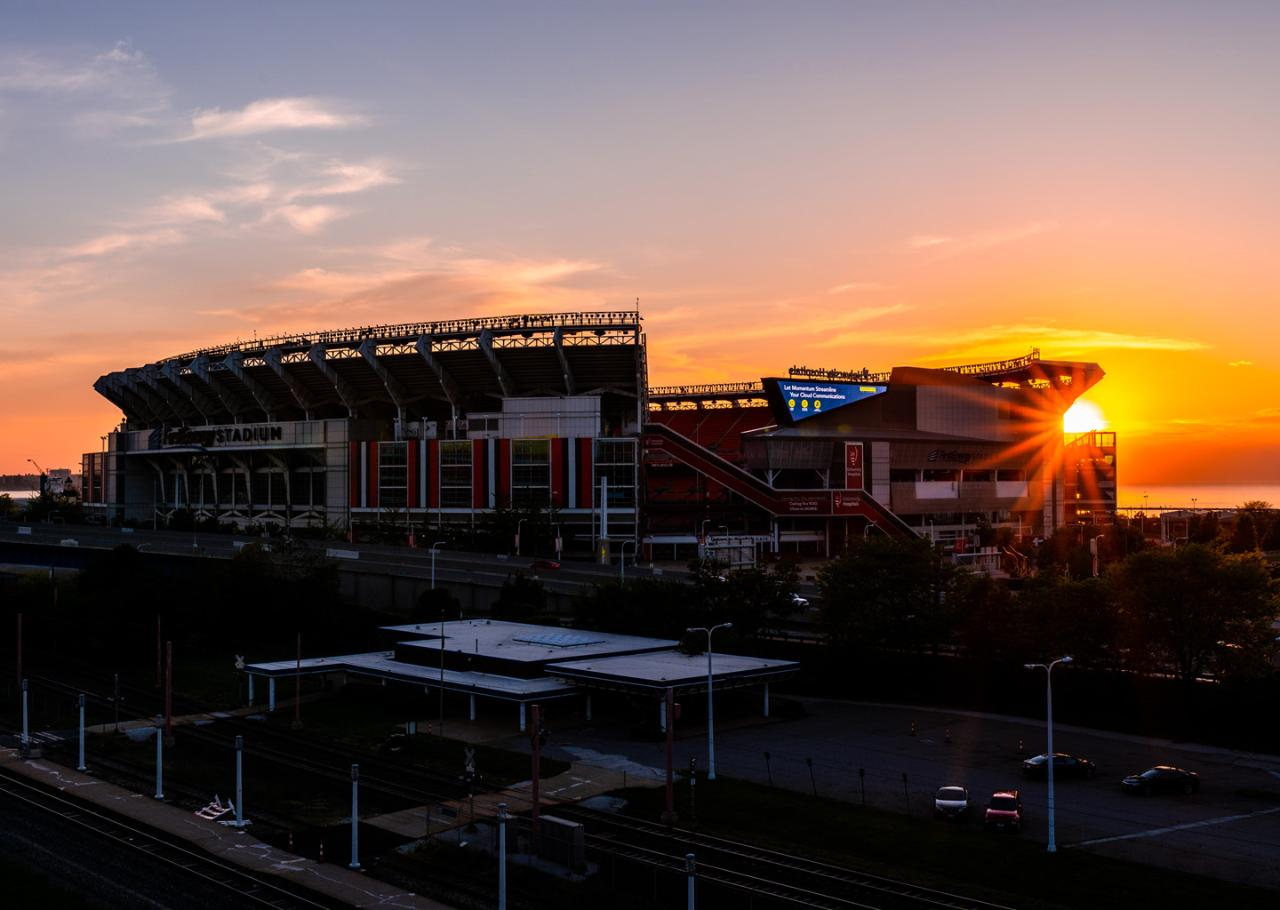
{"x": 1205, "y": 496}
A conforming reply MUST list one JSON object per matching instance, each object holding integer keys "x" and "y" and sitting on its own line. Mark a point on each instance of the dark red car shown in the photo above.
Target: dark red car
{"x": 545, "y": 565}
{"x": 1004, "y": 812}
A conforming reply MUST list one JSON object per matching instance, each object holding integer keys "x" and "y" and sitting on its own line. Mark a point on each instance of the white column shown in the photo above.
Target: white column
{"x": 662, "y": 715}
{"x": 250, "y": 690}
{"x": 521, "y": 717}
{"x": 588, "y": 707}
{"x": 271, "y": 693}
{"x": 766, "y": 699}
{"x": 473, "y": 707}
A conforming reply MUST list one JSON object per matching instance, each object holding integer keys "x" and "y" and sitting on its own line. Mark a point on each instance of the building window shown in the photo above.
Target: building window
{"x": 979, "y": 476}
{"x": 903, "y": 475}
{"x": 935, "y": 475}
{"x": 616, "y": 460}
{"x": 530, "y": 473}
{"x": 393, "y": 482}
{"x": 455, "y": 474}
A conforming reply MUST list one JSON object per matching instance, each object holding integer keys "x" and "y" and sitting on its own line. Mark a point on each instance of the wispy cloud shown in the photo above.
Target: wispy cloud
{"x": 1240, "y": 363}
{"x": 307, "y": 219}
{"x": 268, "y": 115}
{"x": 97, "y": 94}
{"x": 28, "y": 72}
{"x": 105, "y": 244}
{"x": 1058, "y": 341}
{"x": 854, "y": 286}
{"x": 340, "y": 178}
{"x": 952, "y": 245}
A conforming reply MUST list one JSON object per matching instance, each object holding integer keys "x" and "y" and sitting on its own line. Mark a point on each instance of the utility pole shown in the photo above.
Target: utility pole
{"x": 669, "y": 812}
{"x": 168, "y": 689}
{"x": 536, "y": 786}
{"x": 297, "y": 687}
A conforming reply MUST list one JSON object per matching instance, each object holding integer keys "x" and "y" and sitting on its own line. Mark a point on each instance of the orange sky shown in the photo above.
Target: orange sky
{"x": 841, "y": 187}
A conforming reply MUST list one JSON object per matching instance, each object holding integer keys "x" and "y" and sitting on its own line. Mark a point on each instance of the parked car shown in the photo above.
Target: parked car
{"x": 951, "y": 803}
{"x": 546, "y": 565}
{"x": 1064, "y": 765}
{"x": 1004, "y": 812}
{"x": 1162, "y": 779}
{"x": 799, "y": 602}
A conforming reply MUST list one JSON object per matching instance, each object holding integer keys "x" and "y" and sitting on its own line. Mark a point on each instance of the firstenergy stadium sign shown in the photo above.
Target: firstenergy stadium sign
{"x": 234, "y": 435}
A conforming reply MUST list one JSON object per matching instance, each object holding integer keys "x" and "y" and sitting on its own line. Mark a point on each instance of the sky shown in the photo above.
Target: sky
{"x": 848, "y": 185}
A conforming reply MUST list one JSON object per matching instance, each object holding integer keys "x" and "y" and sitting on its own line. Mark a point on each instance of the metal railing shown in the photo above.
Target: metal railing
{"x": 994, "y": 368}
{"x": 611, "y": 319}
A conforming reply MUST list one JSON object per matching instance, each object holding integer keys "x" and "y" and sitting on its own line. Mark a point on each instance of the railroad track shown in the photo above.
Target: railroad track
{"x": 786, "y": 879}
{"x": 760, "y": 877}
{"x": 247, "y": 887}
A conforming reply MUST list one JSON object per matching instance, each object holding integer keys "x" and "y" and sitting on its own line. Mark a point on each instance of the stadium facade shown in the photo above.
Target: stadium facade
{"x": 422, "y": 425}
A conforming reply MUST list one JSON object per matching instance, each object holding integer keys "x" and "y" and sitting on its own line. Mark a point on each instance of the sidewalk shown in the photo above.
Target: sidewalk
{"x": 229, "y": 843}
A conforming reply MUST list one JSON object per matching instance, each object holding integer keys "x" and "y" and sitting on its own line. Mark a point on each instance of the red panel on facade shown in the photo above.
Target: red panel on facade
{"x": 411, "y": 468}
{"x": 433, "y": 474}
{"x": 372, "y": 448}
{"x": 586, "y": 473}
{"x": 559, "y": 474}
{"x": 353, "y": 476}
{"x": 503, "y": 473}
{"x": 478, "y": 493}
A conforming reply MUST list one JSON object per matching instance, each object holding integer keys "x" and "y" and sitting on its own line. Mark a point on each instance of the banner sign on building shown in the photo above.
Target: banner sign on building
{"x": 809, "y": 399}
{"x": 853, "y": 477}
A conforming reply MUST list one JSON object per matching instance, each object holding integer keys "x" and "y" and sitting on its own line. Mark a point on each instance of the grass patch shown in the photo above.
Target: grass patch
{"x": 958, "y": 858}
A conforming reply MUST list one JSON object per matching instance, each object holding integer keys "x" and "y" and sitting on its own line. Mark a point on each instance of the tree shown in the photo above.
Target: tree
{"x": 1244, "y": 536}
{"x": 1194, "y": 609}
{"x": 7, "y": 506}
{"x": 522, "y": 598}
{"x": 887, "y": 593}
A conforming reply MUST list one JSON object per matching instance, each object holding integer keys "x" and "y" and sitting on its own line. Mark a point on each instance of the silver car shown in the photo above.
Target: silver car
{"x": 951, "y": 803}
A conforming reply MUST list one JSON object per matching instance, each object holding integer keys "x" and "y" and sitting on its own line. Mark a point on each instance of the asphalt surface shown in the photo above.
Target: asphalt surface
{"x": 1219, "y": 831}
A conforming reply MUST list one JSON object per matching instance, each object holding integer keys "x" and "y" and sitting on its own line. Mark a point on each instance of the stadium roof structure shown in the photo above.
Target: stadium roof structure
{"x": 1065, "y": 379}
{"x": 427, "y": 370}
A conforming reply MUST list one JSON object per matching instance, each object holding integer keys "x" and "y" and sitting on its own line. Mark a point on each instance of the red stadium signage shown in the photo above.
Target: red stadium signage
{"x": 853, "y": 476}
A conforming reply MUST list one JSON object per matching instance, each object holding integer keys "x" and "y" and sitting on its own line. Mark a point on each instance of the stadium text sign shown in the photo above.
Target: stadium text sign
{"x": 809, "y": 399}
{"x": 224, "y": 436}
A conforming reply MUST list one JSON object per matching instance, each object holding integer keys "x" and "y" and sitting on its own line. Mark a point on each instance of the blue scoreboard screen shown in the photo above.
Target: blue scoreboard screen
{"x": 809, "y": 398}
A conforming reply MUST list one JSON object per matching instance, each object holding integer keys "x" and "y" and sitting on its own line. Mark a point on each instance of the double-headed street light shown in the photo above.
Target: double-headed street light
{"x": 1048, "y": 693}
{"x": 711, "y": 717}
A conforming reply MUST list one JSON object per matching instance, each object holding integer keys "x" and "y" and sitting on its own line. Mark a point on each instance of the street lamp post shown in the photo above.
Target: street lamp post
{"x": 622, "y": 561}
{"x": 1048, "y": 694}
{"x": 711, "y": 721}
{"x": 433, "y": 562}
{"x": 518, "y": 525}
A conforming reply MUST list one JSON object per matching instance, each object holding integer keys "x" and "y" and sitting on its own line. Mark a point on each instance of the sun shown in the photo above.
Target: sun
{"x": 1082, "y": 417}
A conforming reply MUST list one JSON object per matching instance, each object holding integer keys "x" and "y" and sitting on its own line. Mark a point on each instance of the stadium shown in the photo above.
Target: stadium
{"x": 425, "y": 425}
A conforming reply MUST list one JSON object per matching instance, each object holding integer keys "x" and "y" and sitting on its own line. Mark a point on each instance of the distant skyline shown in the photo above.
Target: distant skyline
{"x": 830, "y": 184}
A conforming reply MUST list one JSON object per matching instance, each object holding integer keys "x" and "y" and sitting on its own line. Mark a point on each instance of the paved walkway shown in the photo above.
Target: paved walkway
{"x": 580, "y": 782}
{"x": 238, "y": 846}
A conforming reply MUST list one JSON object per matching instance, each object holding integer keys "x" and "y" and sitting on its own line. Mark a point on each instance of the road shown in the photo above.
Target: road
{"x": 1222, "y": 831}
{"x": 571, "y": 578}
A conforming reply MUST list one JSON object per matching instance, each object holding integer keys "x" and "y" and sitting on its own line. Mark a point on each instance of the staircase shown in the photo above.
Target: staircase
{"x": 661, "y": 441}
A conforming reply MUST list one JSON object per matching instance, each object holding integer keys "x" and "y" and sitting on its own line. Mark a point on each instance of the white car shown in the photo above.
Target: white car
{"x": 951, "y": 803}
{"x": 798, "y": 602}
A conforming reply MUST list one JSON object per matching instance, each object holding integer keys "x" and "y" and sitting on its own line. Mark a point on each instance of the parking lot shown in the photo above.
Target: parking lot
{"x": 1231, "y": 829}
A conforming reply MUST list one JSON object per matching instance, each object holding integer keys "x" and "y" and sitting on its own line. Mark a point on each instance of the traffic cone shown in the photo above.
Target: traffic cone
{"x": 948, "y": 736}
{"x": 1021, "y": 748}
{"x": 291, "y": 841}
{"x": 321, "y": 851}
{"x": 913, "y": 728}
